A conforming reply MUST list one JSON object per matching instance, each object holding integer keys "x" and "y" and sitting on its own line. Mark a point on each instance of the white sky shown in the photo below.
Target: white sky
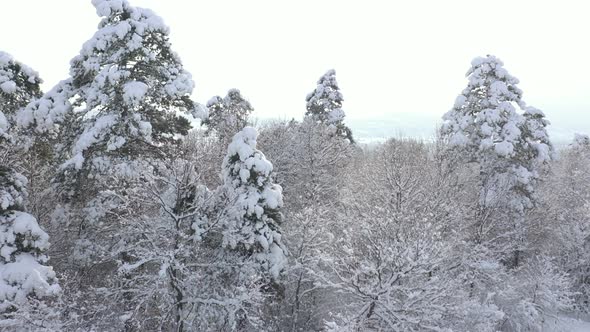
{"x": 400, "y": 64}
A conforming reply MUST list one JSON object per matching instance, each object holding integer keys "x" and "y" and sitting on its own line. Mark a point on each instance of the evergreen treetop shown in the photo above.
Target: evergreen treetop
{"x": 324, "y": 105}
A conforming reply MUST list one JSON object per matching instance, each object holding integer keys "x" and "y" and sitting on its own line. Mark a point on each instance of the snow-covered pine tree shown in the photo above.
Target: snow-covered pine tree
{"x": 484, "y": 117}
{"x": 26, "y": 281}
{"x": 523, "y": 170}
{"x": 252, "y": 215}
{"x": 120, "y": 105}
{"x": 130, "y": 85}
{"x": 30, "y": 153}
{"x": 491, "y": 127}
{"x": 124, "y": 96}
{"x": 485, "y": 127}
{"x": 116, "y": 117}
{"x": 324, "y": 105}
{"x": 227, "y": 115}
{"x": 532, "y": 155}
{"x": 19, "y": 85}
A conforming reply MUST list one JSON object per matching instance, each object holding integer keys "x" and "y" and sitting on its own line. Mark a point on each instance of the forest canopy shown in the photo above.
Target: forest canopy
{"x": 125, "y": 205}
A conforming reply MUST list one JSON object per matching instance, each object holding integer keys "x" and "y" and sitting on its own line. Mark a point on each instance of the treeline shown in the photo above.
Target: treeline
{"x": 158, "y": 226}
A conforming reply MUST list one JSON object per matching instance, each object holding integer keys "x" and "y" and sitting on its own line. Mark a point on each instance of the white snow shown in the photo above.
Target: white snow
{"x": 243, "y": 143}
{"x": 8, "y": 87}
{"x": 22, "y": 242}
{"x": 504, "y": 148}
{"x": 44, "y": 113}
{"x": 134, "y": 92}
{"x": 122, "y": 29}
{"x": 200, "y": 112}
{"x": 8, "y": 75}
{"x": 181, "y": 85}
{"x": 25, "y": 276}
{"x": 13, "y": 195}
{"x": 145, "y": 129}
{"x": 115, "y": 142}
{"x": 106, "y": 7}
{"x": 273, "y": 196}
{"x": 90, "y": 136}
{"x": 277, "y": 260}
{"x": 21, "y": 224}
{"x": 3, "y": 125}
{"x": 335, "y": 116}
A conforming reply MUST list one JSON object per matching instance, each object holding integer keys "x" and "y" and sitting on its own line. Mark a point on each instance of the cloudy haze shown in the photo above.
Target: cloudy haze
{"x": 399, "y": 64}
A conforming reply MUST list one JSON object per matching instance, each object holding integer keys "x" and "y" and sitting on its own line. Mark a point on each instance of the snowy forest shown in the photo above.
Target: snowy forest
{"x": 125, "y": 205}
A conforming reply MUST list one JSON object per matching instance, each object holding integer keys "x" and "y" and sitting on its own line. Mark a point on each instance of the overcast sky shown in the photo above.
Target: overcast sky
{"x": 400, "y": 64}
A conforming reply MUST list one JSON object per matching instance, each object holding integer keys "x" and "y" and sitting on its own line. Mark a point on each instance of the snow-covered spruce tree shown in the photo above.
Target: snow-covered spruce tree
{"x": 25, "y": 279}
{"x": 324, "y": 105}
{"x": 252, "y": 214}
{"x": 245, "y": 237}
{"x": 227, "y": 115}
